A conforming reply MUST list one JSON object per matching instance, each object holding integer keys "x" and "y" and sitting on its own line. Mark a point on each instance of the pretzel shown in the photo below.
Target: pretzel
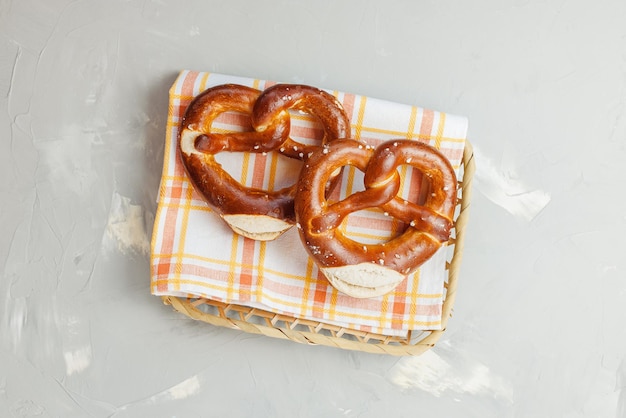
{"x": 252, "y": 212}
{"x": 368, "y": 270}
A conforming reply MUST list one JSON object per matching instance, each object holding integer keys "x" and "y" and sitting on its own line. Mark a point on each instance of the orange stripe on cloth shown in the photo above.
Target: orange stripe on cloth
{"x": 164, "y": 268}
{"x": 258, "y": 170}
{"x": 398, "y": 308}
{"x": 348, "y": 101}
{"x": 248, "y": 245}
{"x": 320, "y": 294}
{"x": 426, "y": 126}
{"x": 246, "y": 274}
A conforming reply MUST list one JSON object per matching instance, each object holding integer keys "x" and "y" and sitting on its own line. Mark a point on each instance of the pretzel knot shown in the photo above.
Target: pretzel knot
{"x": 255, "y": 213}
{"x": 366, "y": 270}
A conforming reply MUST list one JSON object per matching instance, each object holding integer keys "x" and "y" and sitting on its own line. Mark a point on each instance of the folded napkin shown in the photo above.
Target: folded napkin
{"x": 194, "y": 253}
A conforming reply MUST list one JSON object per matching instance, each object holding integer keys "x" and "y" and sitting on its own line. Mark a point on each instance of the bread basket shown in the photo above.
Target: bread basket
{"x": 258, "y": 321}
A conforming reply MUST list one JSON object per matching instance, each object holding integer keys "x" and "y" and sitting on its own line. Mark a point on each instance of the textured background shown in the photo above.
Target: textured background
{"x": 538, "y": 323}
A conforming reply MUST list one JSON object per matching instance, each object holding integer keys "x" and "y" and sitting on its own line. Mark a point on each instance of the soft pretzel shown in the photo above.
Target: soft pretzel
{"x": 252, "y": 212}
{"x": 368, "y": 270}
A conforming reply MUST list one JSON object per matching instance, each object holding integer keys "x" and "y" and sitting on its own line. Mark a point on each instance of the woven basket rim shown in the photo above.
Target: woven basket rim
{"x": 259, "y": 321}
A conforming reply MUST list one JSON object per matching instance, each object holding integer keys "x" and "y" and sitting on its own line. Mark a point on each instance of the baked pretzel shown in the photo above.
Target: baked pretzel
{"x": 252, "y": 212}
{"x": 367, "y": 270}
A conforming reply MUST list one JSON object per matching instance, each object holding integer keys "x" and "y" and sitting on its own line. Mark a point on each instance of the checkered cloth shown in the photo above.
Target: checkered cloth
{"x": 195, "y": 254}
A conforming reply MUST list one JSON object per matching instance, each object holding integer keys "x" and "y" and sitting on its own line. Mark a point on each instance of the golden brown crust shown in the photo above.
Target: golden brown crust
{"x": 270, "y": 119}
{"x": 276, "y": 100}
{"x": 429, "y": 224}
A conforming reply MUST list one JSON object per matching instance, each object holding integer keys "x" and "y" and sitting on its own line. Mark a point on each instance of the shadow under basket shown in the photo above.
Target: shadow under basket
{"x": 258, "y": 321}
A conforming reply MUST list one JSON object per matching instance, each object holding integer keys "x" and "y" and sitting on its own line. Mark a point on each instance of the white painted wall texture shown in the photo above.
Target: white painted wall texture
{"x": 538, "y": 326}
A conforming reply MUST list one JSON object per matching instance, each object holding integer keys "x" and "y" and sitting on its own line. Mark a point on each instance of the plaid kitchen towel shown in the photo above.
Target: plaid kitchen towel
{"x": 195, "y": 254}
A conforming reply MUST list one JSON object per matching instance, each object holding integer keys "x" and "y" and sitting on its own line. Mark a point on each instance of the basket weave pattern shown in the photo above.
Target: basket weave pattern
{"x": 258, "y": 321}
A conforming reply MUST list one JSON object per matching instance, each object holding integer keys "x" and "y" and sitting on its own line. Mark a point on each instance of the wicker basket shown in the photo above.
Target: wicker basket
{"x": 258, "y": 321}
